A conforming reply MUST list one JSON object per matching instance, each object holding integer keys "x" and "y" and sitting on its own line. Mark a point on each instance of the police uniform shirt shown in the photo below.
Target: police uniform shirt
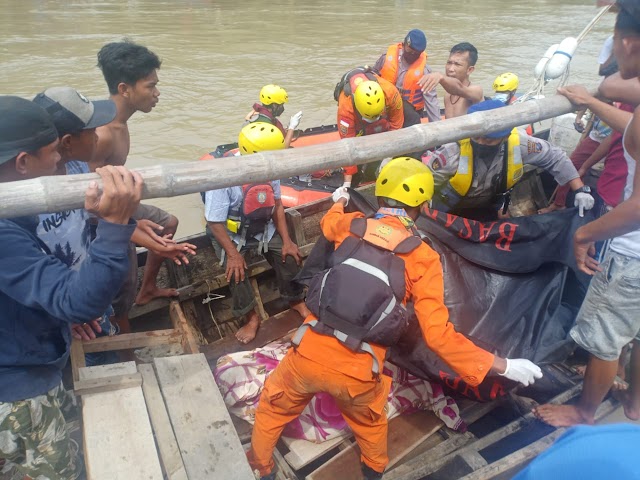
{"x": 487, "y": 183}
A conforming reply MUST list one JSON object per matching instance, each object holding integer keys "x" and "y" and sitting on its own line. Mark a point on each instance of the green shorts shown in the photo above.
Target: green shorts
{"x": 34, "y": 436}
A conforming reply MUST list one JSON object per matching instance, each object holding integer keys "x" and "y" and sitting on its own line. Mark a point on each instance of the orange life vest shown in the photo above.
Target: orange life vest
{"x": 410, "y": 90}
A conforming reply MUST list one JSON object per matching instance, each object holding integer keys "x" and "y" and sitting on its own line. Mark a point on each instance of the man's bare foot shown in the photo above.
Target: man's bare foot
{"x": 632, "y": 412}
{"x": 301, "y": 308}
{"x": 618, "y": 382}
{"x": 145, "y": 296}
{"x": 551, "y": 208}
{"x": 561, "y": 415}
{"x": 249, "y": 330}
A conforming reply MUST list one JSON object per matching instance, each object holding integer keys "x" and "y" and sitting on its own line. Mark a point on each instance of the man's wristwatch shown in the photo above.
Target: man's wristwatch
{"x": 583, "y": 189}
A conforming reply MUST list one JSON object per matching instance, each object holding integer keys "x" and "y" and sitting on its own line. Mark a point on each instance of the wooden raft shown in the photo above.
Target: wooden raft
{"x": 166, "y": 420}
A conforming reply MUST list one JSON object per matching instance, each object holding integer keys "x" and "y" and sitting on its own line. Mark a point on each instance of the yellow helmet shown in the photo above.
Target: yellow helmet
{"x": 273, "y": 94}
{"x": 406, "y": 180}
{"x": 260, "y": 136}
{"x": 507, "y": 82}
{"x": 369, "y": 99}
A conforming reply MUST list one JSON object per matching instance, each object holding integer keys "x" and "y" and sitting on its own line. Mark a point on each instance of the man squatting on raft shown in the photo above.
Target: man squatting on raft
{"x": 342, "y": 353}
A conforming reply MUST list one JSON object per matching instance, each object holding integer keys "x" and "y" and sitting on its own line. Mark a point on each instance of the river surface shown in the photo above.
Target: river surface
{"x": 218, "y": 54}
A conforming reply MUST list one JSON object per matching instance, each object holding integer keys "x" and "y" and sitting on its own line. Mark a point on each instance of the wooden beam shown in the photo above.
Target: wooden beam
{"x": 66, "y": 192}
{"x": 170, "y": 457}
{"x": 118, "y": 440}
{"x": 180, "y": 323}
{"x": 201, "y": 288}
{"x": 126, "y": 341}
{"x": 77, "y": 358}
{"x": 208, "y": 442}
{"x": 107, "y": 384}
{"x": 273, "y": 328}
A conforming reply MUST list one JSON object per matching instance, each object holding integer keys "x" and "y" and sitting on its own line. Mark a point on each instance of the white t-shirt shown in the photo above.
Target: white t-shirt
{"x": 629, "y": 243}
{"x": 607, "y": 50}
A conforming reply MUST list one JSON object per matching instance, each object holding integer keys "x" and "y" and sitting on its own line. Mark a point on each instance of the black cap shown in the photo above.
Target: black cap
{"x": 24, "y": 127}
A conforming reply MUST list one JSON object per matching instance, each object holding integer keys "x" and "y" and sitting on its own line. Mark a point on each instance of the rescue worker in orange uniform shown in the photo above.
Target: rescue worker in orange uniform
{"x": 271, "y": 105}
{"x": 404, "y": 65}
{"x": 322, "y": 361}
{"x": 367, "y": 104}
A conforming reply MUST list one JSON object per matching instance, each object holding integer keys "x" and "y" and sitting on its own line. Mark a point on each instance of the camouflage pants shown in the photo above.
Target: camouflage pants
{"x": 34, "y": 436}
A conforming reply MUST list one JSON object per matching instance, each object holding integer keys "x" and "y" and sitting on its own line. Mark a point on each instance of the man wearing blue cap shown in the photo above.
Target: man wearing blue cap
{"x": 404, "y": 65}
{"x": 473, "y": 177}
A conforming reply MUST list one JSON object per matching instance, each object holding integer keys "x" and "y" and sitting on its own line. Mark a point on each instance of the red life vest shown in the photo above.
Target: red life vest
{"x": 410, "y": 91}
{"x": 265, "y": 112}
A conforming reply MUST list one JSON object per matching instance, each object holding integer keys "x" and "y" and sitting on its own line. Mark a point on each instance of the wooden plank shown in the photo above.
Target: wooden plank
{"x": 523, "y": 455}
{"x": 107, "y": 384}
{"x": 405, "y": 432}
{"x": 170, "y": 457}
{"x": 201, "y": 287}
{"x": 126, "y": 341}
{"x": 256, "y": 292}
{"x": 208, "y": 443}
{"x": 440, "y": 450}
{"x": 296, "y": 229}
{"x": 271, "y": 329}
{"x": 118, "y": 440}
{"x": 77, "y": 359}
{"x": 284, "y": 471}
{"x": 303, "y": 452}
{"x": 180, "y": 323}
{"x": 426, "y": 465}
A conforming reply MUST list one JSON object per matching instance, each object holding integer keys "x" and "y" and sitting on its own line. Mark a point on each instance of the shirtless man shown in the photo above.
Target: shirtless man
{"x": 460, "y": 92}
{"x": 130, "y": 71}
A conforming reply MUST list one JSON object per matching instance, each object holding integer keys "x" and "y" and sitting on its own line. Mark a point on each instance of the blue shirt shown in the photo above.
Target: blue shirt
{"x": 40, "y": 296}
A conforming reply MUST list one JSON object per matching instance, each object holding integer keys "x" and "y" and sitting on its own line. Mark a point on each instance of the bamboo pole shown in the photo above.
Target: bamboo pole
{"x": 65, "y": 192}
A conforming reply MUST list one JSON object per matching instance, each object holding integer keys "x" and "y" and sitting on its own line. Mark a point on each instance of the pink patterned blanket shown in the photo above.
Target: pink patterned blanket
{"x": 240, "y": 377}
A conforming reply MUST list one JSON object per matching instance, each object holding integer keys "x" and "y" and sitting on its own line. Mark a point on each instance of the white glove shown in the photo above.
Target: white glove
{"x": 295, "y": 120}
{"x": 584, "y": 201}
{"x": 347, "y": 184}
{"x": 341, "y": 192}
{"x": 522, "y": 370}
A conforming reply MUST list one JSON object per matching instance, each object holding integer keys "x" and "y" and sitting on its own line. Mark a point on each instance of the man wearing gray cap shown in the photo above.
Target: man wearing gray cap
{"x": 67, "y": 234}
{"x": 404, "y": 65}
{"x": 40, "y": 296}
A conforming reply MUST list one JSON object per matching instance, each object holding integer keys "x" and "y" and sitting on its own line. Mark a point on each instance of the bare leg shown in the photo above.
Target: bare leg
{"x": 250, "y": 329}
{"x": 149, "y": 290}
{"x": 598, "y": 379}
{"x": 630, "y": 399}
{"x": 301, "y": 308}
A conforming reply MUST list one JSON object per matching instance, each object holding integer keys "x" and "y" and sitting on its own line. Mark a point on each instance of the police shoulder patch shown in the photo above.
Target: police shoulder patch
{"x": 534, "y": 147}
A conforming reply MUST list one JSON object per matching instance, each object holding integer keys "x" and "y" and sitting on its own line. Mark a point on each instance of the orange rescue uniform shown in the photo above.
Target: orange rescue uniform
{"x": 322, "y": 364}
{"x": 350, "y": 124}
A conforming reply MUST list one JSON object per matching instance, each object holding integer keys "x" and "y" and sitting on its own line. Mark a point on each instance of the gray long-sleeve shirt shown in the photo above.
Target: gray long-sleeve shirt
{"x": 486, "y": 184}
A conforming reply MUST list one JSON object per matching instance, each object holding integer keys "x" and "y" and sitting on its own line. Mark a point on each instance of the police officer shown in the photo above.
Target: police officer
{"x": 473, "y": 177}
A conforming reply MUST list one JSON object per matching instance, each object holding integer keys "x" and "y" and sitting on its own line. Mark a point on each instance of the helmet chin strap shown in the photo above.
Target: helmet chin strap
{"x": 371, "y": 120}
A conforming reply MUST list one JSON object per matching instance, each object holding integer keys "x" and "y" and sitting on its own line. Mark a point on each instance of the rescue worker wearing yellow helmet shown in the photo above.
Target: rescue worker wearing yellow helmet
{"x": 379, "y": 265}
{"x": 251, "y": 217}
{"x": 367, "y": 104}
{"x": 505, "y": 87}
{"x": 271, "y": 105}
{"x": 473, "y": 177}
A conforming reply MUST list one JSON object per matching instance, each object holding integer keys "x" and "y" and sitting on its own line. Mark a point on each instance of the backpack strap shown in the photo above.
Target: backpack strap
{"x": 342, "y": 337}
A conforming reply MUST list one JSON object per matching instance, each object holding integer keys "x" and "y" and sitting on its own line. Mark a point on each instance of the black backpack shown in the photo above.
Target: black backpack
{"x": 359, "y": 298}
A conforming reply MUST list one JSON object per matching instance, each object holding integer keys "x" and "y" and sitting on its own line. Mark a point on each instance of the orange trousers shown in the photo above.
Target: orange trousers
{"x": 291, "y": 387}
